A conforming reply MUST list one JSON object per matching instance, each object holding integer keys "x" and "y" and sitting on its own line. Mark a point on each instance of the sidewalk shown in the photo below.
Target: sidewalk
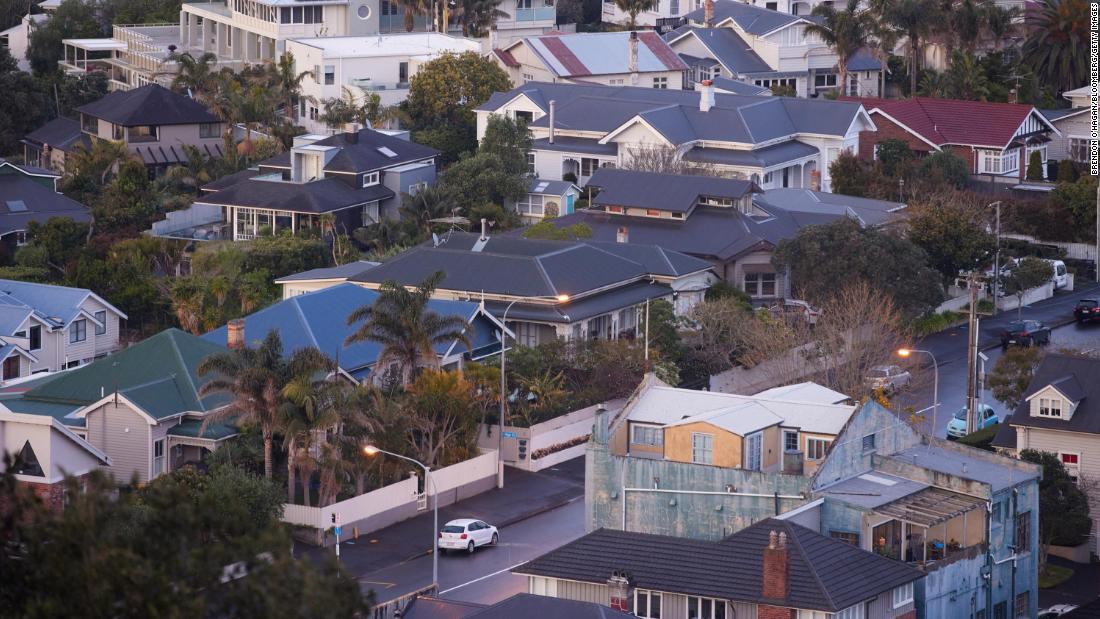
{"x": 524, "y": 495}
{"x": 950, "y": 345}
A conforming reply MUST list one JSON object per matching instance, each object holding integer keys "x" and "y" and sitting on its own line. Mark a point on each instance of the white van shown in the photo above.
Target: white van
{"x": 1061, "y": 275}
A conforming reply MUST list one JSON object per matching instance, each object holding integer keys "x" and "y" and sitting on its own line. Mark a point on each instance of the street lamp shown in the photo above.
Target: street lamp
{"x": 561, "y": 298}
{"x": 997, "y": 258}
{"x": 905, "y": 353}
{"x": 371, "y": 450}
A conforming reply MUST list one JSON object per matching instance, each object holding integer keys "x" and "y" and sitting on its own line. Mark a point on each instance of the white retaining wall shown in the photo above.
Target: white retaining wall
{"x": 568, "y": 427}
{"x": 1011, "y": 302}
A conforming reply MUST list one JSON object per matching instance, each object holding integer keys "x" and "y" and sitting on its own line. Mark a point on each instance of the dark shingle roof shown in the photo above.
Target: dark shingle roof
{"x": 519, "y": 605}
{"x": 1075, "y": 377}
{"x": 62, "y": 133}
{"x": 667, "y": 192}
{"x": 41, "y": 204}
{"x": 824, "y": 574}
{"x": 364, "y": 155}
{"x": 751, "y": 19}
{"x": 151, "y": 104}
{"x": 321, "y": 196}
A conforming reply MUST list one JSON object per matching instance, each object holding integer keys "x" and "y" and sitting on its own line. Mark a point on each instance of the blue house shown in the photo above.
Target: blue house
{"x": 319, "y": 320}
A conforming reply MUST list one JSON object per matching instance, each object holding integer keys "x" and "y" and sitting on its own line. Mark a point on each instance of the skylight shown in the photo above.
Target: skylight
{"x": 541, "y": 187}
{"x": 387, "y": 152}
{"x": 17, "y": 206}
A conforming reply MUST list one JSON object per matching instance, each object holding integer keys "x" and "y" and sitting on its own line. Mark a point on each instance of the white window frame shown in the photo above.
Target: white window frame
{"x": 1079, "y": 148}
{"x": 159, "y": 461}
{"x": 371, "y": 179}
{"x": 852, "y": 612}
{"x": 101, "y": 316}
{"x": 530, "y": 156}
{"x": 78, "y": 331}
{"x": 786, "y": 435}
{"x": 650, "y": 597}
{"x": 816, "y": 453}
{"x": 702, "y": 448}
{"x": 714, "y": 604}
{"x": 902, "y": 595}
{"x": 416, "y": 188}
{"x": 650, "y": 435}
{"x": 754, "y": 451}
{"x": 754, "y": 284}
{"x": 30, "y": 345}
{"x": 660, "y": 83}
{"x": 1074, "y": 470}
{"x": 370, "y": 214}
{"x": 330, "y": 74}
{"x": 1050, "y": 407}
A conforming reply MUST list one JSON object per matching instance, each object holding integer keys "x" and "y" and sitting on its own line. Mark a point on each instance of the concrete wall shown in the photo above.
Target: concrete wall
{"x": 561, "y": 430}
{"x": 1011, "y": 301}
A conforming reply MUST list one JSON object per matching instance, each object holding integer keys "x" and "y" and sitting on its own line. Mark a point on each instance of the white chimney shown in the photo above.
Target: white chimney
{"x": 553, "y": 104}
{"x": 493, "y": 37}
{"x": 706, "y": 96}
{"x": 633, "y": 59}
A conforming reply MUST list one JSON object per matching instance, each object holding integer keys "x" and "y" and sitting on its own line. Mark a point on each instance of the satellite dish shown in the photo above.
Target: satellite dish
{"x": 435, "y": 239}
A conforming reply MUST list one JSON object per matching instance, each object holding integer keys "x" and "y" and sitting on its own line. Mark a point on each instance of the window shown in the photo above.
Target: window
{"x": 11, "y": 367}
{"x": 370, "y": 178}
{"x": 1072, "y": 462}
{"x": 702, "y": 448}
{"x": 78, "y": 331}
{"x": 903, "y": 595}
{"x": 35, "y": 338}
{"x": 790, "y": 440}
{"x": 589, "y": 166}
{"x": 1023, "y": 532}
{"x": 771, "y": 6}
{"x": 754, "y": 451}
{"x": 1079, "y": 149}
{"x": 661, "y": 83}
{"x": 117, "y": 130}
{"x": 825, "y": 80}
{"x": 1050, "y": 407}
{"x": 1023, "y": 603}
{"x": 615, "y": 82}
{"x": 816, "y": 448}
{"x": 158, "y": 457}
{"x": 1000, "y": 610}
{"x": 210, "y": 130}
{"x": 852, "y": 612}
{"x": 712, "y": 201}
{"x": 998, "y": 512}
{"x": 995, "y": 162}
{"x": 615, "y": 209}
{"x": 370, "y": 213}
{"x": 532, "y": 204}
{"x": 846, "y": 537}
{"x": 647, "y": 604}
{"x": 647, "y": 435}
{"x": 869, "y": 442}
{"x": 330, "y": 74}
{"x": 674, "y": 8}
{"x": 389, "y": 8}
{"x": 760, "y": 284}
{"x": 416, "y": 188}
{"x": 530, "y": 163}
{"x": 101, "y": 316}
{"x": 706, "y": 608}
{"x": 90, "y": 124}
{"x": 144, "y": 133}
{"x": 652, "y": 212}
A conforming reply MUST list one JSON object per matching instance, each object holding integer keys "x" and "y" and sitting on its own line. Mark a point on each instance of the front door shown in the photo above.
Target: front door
{"x": 753, "y": 451}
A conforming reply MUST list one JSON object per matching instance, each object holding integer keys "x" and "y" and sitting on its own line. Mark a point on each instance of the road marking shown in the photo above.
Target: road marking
{"x": 388, "y": 585}
{"x": 496, "y": 573}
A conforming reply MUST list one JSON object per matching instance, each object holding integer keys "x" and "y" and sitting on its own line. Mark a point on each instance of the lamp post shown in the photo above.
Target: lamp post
{"x": 997, "y": 259}
{"x": 371, "y": 450}
{"x": 905, "y": 353}
{"x": 561, "y": 298}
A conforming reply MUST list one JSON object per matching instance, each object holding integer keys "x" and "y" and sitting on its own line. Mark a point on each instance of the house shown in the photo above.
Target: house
{"x": 546, "y": 198}
{"x": 767, "y": 48}
{"x": 611, "y": 58}
{"x": 774, "y": 141}
{"x": 319, "y": 320}
{"x": 995, "y": 139}
{"x": 763, "y": 432}
{"x": 17, "y": 39}
{"x": 358, "y": 178}
{"x": 1072, "y": 141}
{"x": 560, "y": 289}
{"x": 29, "y": 194}
{"x": 49, "y": 145}
{"x": 47, "y": 328}
{"x": 519, "y": 605}
{"x": 1079, "y": 97}
{"x": 243, "y": 33}
{"x": 772, "y": 569}
{"x": 727, "y": 222}
{"x": 364, "y": 65}
{"x": 155, "y": 124}
{"x": 141, "y": 407}
{"x": 1060, "y": 414}
{"x": 319, "y": 279}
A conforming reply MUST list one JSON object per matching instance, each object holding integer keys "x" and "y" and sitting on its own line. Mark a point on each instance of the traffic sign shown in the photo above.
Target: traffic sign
{"x": 509, "y": 435}
{"x": 337, "y": 531}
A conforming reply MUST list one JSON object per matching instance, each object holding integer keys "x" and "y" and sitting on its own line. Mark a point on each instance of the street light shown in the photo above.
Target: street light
{"x": 997, "y": 258}
{"x": 561, "y": 298}
{"x": 371, "y": 450}
{"x": 905, "y": 353}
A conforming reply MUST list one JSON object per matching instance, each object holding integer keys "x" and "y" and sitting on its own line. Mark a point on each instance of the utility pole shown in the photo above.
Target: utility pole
{"x": 972, "y": 284}
{"x": 997, "y": 260}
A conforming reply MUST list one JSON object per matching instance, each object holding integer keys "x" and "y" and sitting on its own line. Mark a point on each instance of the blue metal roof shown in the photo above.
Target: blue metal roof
{"x": 56, "y": 305}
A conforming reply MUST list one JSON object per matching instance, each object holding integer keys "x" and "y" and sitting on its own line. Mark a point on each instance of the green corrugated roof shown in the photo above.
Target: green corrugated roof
{"x": 55, "y": 410}
{"x": 214, "y": 431}
{"x": 157, "y": 374}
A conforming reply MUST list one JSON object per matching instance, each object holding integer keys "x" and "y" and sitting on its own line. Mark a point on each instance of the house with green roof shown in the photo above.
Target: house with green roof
{"x": 141, "y": 406}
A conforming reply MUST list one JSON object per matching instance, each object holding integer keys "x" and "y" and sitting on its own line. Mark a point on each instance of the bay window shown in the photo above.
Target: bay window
{"x": 994, "y": 162}
{"x": 760, "y": 284}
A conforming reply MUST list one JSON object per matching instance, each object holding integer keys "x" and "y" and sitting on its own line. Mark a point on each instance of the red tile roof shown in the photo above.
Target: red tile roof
{"x": 952, "y": 121}
{"x": 506, "y": 57}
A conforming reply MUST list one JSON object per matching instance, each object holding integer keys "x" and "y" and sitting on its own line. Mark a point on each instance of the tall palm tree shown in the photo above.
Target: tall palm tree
{"x": 408, "y": 330}
{"x": 633, "y": 8}
{"x": 884, "y": 38}
{"x": 845, "y": 31}
{"x": 311, "y": 409}
{"x": 196, "y": 75}
{"x": 478, "y": 16}
{"x": 1057, "y": 47}
{"x": 428, "y": 204}
{"x": 289, "y": 84}
{"x": 412, "y": 9}
{"x": 253, "y": 378}
{"x": 914, "y": 19}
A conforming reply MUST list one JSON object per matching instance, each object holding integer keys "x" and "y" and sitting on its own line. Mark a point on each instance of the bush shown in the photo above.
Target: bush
{"x": 982, "y": 439}
{"x": 849, "y": 175}
{"x": 1035, "y": 166}
{"x": 1066, "y": 172}
{"x": 945, "y": 166}
{"x": 934, "y": 323}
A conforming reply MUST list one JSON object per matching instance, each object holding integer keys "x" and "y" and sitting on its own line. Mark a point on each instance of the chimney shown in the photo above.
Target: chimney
{"x": 352, "y": 137}
{"x": 706, "y": 96}
{"x": 492, "y": 37}
{"x": 601, "y": 428}
{"x": 633, "y": 59}
{"x": 775, "y": 568}
{"x": 234, "y": 334}
{"x": 553, "y": 104}
{"x": 708, "y": 13}
{"x": 619, "y": 588}
{"x": 484, "y": 230}
{"x": 622, "y": 235}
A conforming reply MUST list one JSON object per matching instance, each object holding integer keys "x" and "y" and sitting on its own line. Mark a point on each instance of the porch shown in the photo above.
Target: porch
{"x": 188, "y": 443}
{"x": 929, "y": 525}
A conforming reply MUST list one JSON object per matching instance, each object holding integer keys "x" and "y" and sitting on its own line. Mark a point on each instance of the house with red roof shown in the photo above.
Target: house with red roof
{"x": 995, "y": 139}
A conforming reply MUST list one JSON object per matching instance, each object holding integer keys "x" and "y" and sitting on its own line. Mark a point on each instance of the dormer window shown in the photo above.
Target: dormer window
{"x": 370, "y": 178}
{"x": 712, "y": 201}
{"x": 1050, "y": 407}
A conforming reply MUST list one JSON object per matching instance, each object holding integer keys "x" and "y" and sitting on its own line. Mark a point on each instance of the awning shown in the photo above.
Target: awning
{"x": 930, "y": 507}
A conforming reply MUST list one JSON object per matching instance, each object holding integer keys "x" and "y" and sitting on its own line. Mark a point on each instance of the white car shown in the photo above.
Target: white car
{"x": 1056, "y": 611}
{"x": 467, "y": 534}
{"x": 888, "y": 378}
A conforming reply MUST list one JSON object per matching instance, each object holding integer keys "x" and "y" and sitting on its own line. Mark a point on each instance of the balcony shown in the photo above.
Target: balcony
{"x": 546, "y": 13}
{"x": 930, "y": 526}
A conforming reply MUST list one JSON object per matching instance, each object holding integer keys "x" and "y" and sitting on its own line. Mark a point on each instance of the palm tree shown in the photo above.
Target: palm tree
{"x": 196, "y": 75}
{"x": 846, "y": 32}
{"x": 289, "y": 84}
{"x": 632, "y": 8}
{"x": 252, "y": 379}
{"x": 884, "y": 40}
{"x": 412, "y": 9}
{"x": 407, "y": 329}
{"x": 914, "y": 19}
{"x": 311, "y": 409}
{"x": 1057, "y": 47}
{"x": 428, "y": 204}
{"x": 478, "y": 16}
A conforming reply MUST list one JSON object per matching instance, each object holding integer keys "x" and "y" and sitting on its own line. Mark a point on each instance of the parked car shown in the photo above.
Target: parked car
{"x": 956, "y": 428}
{"x": 1087, "y": 310}
{"x": 1025, "y": 333}
{"x": 467, "y": 534}
{"x": 796, "y": 309}
{"x": 888, "y": 378}
{"x": 1056, "y": 611}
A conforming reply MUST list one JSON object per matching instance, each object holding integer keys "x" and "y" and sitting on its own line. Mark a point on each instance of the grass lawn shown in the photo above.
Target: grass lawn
{"x": 1053, "y": 575}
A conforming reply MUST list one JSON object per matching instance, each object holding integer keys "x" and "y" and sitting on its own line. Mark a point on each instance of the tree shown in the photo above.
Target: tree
{"x": 289, "y": 83}
{"x": 196, "y": 75}
{"x": 309, "y": 412}
{"x": 1035, "y": 171}
{"x": 1063, "y": 504}
{"x": 25, "y": 104}
{"x": 412, "y": 9}
{"x": 507, "y": 140}
{"x": 407, "y": 329}
{"x": 1065, "y": 171}
{"x": 951, "y": 229}
{"x": 478, "y": 16}
{"x": 482, "y": 178}
{"x": 633, "y": 8}
{"x": 444, "y": 416}
{"x": 1078, "y": 198}
{"x": 825, "y": 258}
{"x": 73, "y": 19}
{"x": 845, "y": 31}
{"x": 252, "y": 379}
{"x": 1028, "y": 273}
{"x": 1057, "y": 47}
{"x": 914, "y": 19}
{"x": 848, "y": 174}
{"x": 944, "y": 166}
{"x": 59, "y": 242}
{"x": 1012, "y": 373}
{"x": 546, "y": 229}
{"x": 668, "y": 160}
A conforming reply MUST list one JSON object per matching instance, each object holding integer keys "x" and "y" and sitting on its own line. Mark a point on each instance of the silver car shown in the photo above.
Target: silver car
{"x": 888, "y": 378}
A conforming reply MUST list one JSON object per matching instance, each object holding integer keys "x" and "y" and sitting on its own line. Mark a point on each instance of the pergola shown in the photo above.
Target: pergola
{"x": 930, "y": 524}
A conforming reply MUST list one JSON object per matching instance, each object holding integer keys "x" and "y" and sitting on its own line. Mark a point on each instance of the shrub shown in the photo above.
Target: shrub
{"x": 1035, "y": 166}
{"x": 945, "y": 166}
{"x": 1065, "y": 171}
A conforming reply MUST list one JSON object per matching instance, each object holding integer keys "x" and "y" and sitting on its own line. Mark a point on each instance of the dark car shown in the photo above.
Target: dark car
{"x": 1087, "y": 310}
{"x": 1025, "y": 333}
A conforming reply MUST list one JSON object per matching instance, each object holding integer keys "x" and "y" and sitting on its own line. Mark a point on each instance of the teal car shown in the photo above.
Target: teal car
{"x": 956, "y": 428}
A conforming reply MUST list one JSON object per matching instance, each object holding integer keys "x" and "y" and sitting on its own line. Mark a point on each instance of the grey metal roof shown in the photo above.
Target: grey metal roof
{"x": 1053, "y": 115}
{"x": 667, "y": 192}
{"x": 870, "y": 212}
{"x": 740, "y": 88}
{"x": 969, "y": 464}
{"x": 151, "y": 104}
{"x": 342, "y": 271}
{"x": 231, "y": 179}
{"x": 1054, "y": 368}
{"x": 767, "y": 157}
{"x": 41, "y": 203}
{"x": 581, "y": 309}
{"x": 364, "y": 155}
{"x": 751, "y": 19}
{"x": 321, "y": 196}
{"x": 728, "y": 48}
{"x": 864, "y": 60}
{"x": 824, "y": 574}
{"x": 575, "y": 145}
{"x": 870, "y": 490}
{"x": 549, "y": 188}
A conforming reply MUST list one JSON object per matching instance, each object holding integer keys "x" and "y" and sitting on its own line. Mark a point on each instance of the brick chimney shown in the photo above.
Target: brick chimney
{"x": 234, "y": 334}
{"x": 775, "y": 567}
{"x": 619, "y": 588}
{"x": 708, "y": 13}
{"x": 633, "y": 64}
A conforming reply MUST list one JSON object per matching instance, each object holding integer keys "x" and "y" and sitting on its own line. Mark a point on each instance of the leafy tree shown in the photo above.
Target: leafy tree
{"x": 951, "y": 232}
{"x": 508, "y": 140}
{"x": 1057, "y": 47}
{"x": 1078, "y": 198}
{"x": 664, "y": 336}
{"x": 24, "y": 107}
{"x": 482, "y": 178}
{"x": 633, "y": 8}
{"x": 547, "y": 229}
{"x": 128, "y": 203}
{"x": 892, "y": 155}
{"x": 825, "y": 258}
{"x": 445, "y": 417}
{"x": 848, "y": 174}
{"x": 944, "y": 167}
{"x": 407, "y": 329}
{"x": 1035, "y": 170}
{"x": 1028, "y": 273}
{"x": 55, "y": 244}
{"x": 73, "y": 19}
{"x": 1063, "y": 505}
{"x": 845, "y": 31}
{"x": 1012, "y": 373}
